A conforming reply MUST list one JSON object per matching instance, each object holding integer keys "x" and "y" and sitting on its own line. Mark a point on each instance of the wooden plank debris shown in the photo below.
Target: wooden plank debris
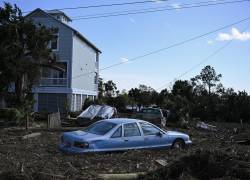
{"x": 205, "y": 126}
{"x": 161, "y": 162}
{"x": 54, "y": 120}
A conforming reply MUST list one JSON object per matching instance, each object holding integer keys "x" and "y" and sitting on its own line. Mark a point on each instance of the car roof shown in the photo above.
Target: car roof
{"x": 123, "y": 120}
{"x": 152, "y": 108}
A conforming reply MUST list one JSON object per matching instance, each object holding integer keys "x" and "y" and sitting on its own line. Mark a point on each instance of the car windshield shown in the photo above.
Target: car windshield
{"x": 100, "y": 128}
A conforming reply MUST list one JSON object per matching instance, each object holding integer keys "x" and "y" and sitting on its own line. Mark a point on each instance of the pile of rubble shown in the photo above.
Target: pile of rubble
{"x": 203, "y": 165}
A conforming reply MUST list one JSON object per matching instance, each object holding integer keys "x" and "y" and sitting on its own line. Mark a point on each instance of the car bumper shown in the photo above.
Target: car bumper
{"x": 188, "y": 143}
{"x": 73, "y": 150}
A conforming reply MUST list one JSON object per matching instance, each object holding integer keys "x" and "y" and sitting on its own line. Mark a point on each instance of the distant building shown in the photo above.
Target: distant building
{"x": 76, "y": 56}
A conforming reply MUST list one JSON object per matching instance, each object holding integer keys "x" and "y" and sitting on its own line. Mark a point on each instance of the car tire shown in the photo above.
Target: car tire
{"x": 178, "y": 144}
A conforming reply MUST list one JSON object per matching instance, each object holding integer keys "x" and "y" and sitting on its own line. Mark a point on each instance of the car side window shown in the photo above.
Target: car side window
{"x": 148, "y": 129}
{"x": 117, "y": 133}
{"x": 131, "y": 129}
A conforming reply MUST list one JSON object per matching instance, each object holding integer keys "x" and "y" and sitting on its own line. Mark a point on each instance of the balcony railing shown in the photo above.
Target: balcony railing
{"x": 62, "y": 82}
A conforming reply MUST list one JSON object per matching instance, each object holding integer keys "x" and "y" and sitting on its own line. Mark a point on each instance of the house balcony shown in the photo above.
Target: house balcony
{"x": 54, "y": 82}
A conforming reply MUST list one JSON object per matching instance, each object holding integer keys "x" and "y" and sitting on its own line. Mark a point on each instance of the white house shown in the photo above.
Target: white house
{"x": 58, "y": 90}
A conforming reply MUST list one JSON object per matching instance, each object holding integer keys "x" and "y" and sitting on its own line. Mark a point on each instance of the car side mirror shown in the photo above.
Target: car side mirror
{"x": 159, "y": 134}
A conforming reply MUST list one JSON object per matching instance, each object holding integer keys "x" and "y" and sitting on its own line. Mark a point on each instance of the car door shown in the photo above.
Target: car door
{"x": 132, "y": 136}
{"x": 115, "y": 141}
{"x": 151, "y": 135}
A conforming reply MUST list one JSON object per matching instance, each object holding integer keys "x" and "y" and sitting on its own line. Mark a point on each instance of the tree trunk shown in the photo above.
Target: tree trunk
{"x": 19, "y": 89}
{"x": 27, "y": 122}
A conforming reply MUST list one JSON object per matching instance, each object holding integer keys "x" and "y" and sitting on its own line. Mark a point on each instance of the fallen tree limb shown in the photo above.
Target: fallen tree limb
{"x": 126, "y": 176}
{"x": 31, "y": 135}
{"x": 49, "y": 176}
{"x": 72, "y": 167}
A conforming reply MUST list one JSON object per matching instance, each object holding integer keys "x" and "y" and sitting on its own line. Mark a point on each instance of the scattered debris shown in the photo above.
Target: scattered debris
{"x": 72, "y": 167}
{"x": 54, "y": 120}
{"x": 43, "y": 175}
{"x": 31, "y": 135}
{"x": 161, "y": 162}
{"x": 127, "y": 176}
{"x": 206, "y": 126}
{"x": 202, "y": 165}
{"x": 39, "y": 158}
{"x": 95, "y": 112}
{"x": 104, "y": 112}
{"x": 242, "y": 137}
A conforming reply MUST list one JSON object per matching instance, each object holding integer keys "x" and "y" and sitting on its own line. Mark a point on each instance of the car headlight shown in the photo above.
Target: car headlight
{"x": 81, "y": 144}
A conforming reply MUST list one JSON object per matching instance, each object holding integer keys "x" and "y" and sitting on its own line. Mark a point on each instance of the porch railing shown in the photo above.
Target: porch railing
{"x": 62, "y": 82}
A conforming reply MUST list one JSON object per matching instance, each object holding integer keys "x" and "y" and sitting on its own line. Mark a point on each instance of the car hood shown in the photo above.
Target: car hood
{"x": 80, "y": 136}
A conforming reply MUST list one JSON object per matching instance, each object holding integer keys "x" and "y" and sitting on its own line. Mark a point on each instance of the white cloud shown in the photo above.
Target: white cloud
{"x": 176, "y": 6}
{"x": 158, "y": 1}
{"x": 235, "y": 34}
{"x": 210, "y": 41}
{"x": 124, "y": 60}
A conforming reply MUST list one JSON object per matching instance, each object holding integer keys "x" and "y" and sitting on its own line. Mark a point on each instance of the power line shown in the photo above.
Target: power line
{"x": 201, "y": 62}
{"x": 106, "y": 5}
{"x": 124, "y": 13}
{"x": 145, "y": 9}
{"x": 197, "y": 65}
{"x": 166, "y": 48}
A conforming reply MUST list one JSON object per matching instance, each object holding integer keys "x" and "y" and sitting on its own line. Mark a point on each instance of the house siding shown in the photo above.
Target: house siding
{"x": 83, "y": 62}
{"x": 80, "y": 57}
{"x": 64, "y": 52}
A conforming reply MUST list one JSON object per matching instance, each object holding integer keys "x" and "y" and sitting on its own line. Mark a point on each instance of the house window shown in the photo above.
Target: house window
{"x": 54, "y": 77}
{"x": 48, "y": 72}
{"x": 54, "y": 42}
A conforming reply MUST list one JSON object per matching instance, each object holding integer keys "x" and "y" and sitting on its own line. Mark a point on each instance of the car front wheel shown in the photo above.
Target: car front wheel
{"x": 178, "y": 144}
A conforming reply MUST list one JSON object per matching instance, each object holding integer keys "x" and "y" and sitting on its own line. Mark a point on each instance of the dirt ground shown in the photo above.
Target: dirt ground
{"x": 39, "y": 157}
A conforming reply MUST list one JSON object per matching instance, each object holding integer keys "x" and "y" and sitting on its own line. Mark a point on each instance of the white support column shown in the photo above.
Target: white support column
{"x": 81, "y": 101}
{"x": 75, "y": 102}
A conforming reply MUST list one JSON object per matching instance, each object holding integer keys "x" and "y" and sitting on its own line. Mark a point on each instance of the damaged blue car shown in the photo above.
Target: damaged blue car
{"x": 121, "y": 134}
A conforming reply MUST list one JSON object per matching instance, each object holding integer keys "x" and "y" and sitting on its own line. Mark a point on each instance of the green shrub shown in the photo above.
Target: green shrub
{"x": 74, "y": 114}
{"x": 11, "y": 115}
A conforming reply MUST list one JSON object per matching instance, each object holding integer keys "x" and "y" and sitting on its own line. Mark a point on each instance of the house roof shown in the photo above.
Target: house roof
{"x": 55, "y": 11}
{"x": 75, "y": 31}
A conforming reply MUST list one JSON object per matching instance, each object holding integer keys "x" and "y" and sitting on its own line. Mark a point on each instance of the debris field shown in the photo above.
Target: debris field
{"x": 220, "y": 154}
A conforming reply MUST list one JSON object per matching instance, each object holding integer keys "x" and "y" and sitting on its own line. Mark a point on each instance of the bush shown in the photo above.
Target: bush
{"x": 11, "y": 115}
{"x": 75, "y": 114}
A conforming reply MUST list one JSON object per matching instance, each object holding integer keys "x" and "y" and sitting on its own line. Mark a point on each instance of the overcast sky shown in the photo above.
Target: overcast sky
{"x": 125, "y": 37}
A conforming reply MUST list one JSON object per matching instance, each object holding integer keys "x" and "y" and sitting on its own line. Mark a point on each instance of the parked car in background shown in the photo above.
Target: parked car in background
{"x": 156, "y": 116}
{"x": 121, "y": 134}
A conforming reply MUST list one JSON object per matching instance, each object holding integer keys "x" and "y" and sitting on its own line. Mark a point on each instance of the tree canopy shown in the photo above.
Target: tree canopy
{"x": 24, "y": 49}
